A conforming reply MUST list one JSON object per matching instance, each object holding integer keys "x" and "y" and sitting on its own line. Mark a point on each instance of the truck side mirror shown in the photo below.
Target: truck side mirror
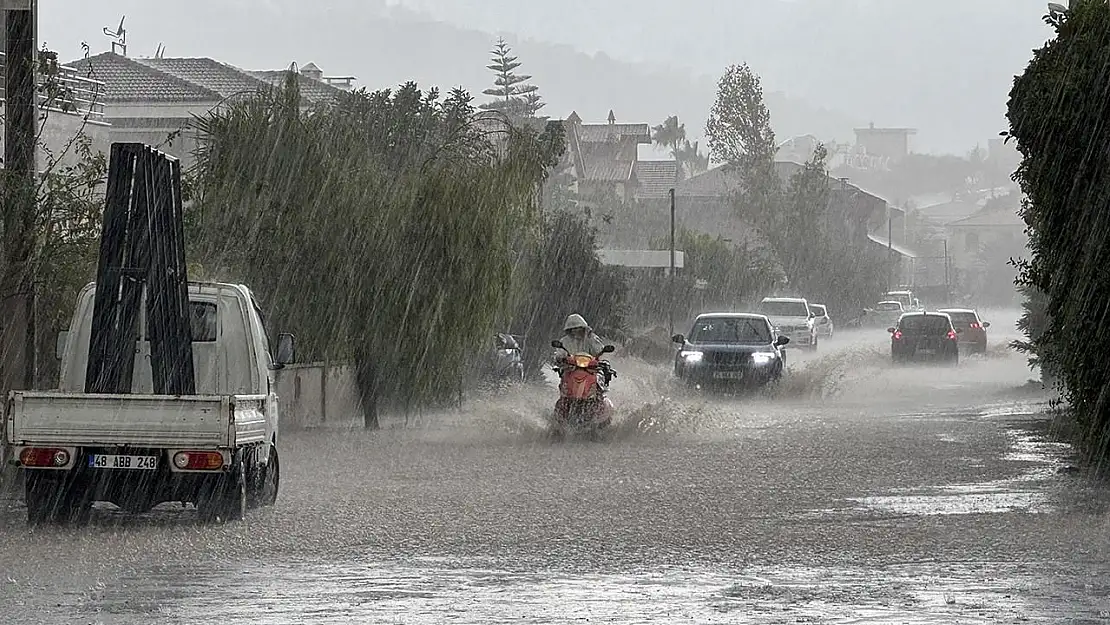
{"x": 608, "y": 349}
{"x": 286, "y": 349}
{"x": 60, "y": 346}
{"x": 678, "y": 338}
{"x": 557, "y": 344}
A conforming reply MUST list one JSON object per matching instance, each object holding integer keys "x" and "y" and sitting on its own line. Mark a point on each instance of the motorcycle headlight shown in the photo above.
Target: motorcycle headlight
{"x": 692, "y": 357}
{"x": 762, "y": 358}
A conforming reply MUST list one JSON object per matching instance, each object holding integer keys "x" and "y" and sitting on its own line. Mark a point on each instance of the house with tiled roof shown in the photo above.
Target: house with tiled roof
{"x": 603, "y": 156}
{"x": 153, "y": 100}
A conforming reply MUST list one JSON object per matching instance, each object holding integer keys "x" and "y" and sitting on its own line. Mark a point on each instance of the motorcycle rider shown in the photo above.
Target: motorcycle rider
{"x": 579, "y": 338}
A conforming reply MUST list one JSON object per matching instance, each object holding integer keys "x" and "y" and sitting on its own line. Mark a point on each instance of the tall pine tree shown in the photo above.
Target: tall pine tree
{"x": 511, "y": 92}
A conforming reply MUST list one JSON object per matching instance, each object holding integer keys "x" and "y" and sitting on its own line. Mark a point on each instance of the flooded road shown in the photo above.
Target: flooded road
{"x": 853, "y": 493}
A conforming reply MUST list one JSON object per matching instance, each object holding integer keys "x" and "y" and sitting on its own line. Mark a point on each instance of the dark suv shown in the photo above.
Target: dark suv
{"x": 924, "y": 336}
{"x": 732, "y": 348}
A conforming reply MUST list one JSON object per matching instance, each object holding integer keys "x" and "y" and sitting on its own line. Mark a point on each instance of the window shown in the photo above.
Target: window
{"x": 743, "y": 331}
{"x": 888, "y": 306}
{"x": 784, "y": 309}
{"x": 963, "y": 319}
{"x": 929, "y": 325}
{"x": 202, "y": 321}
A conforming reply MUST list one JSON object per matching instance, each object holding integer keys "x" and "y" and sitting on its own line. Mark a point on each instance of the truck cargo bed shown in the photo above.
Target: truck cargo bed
{"x": 132, "y": 420}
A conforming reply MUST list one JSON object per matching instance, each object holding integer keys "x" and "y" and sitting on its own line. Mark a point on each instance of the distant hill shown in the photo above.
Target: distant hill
{"x": 943, "y": 66}
{"x": 385, "y": 45}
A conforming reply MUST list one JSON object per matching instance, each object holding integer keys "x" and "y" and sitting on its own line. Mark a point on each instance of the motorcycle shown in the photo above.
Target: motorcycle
{"x": 583, "y": 405}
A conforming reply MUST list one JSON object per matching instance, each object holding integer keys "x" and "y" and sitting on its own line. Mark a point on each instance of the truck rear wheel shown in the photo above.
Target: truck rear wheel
{"x": 266, "y": 481}
{"x": 226, "y": 499}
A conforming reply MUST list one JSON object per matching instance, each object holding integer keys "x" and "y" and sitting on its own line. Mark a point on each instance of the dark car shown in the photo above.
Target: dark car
{"x": 735, "y": 348}
{"x": 970, "y": 328}
{"x": 924, "y": 336}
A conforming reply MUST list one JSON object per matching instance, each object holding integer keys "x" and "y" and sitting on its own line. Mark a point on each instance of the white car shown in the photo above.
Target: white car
{"x": 793, "y": 318}
{"x": 886, "y": 314}
{"x": 822, "y": 320}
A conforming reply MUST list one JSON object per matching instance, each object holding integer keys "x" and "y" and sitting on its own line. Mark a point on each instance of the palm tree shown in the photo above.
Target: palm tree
{"x": 691, "y": 160}
{"x": 669, "y": 134}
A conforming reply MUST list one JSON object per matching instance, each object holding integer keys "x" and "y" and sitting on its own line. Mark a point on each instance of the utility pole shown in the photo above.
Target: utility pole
{"x": 17, "y": 341}
{"x": 670, "y": 307}
{"x": 947, "y": 282}
{"x": 889, "y": 251}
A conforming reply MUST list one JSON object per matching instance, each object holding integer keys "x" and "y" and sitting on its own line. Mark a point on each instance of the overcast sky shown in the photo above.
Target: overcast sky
{"x": 942, "y": 66}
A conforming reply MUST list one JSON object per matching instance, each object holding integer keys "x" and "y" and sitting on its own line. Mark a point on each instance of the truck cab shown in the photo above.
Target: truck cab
{"x": 217, "y": 448}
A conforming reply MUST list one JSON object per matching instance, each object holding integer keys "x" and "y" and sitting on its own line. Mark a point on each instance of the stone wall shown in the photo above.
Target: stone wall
{"x": 315, "y": 394}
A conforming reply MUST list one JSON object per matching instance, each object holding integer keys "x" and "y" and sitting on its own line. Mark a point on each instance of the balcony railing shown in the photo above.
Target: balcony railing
{"x": 67, "y": 92}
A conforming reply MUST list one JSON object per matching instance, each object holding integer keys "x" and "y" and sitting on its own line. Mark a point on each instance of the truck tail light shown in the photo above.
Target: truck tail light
{"x": 44, "y": 457}
{"x": 198, "y": 460}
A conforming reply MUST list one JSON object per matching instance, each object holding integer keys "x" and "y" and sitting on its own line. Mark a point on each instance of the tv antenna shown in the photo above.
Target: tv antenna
{"x": 161, "y": 51}
{"x": 119, "y": 37}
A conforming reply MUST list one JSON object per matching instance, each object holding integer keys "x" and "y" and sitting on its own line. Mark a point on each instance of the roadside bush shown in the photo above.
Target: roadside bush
{"x": 1057, "y": 113}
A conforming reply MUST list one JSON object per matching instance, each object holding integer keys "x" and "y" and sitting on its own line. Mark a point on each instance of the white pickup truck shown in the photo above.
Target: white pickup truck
{"x": 217, "y": 449}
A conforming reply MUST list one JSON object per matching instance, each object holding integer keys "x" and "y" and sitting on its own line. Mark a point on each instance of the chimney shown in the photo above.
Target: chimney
{"x": 612, "y": 117}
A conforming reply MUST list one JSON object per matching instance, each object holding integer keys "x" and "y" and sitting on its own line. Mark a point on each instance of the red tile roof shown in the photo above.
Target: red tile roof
{"x": 312, "y": 90}
{"x": 186, "y": 80}
{"x": 655, "y": 178}
{"x": 597, "y": 133}
{"x": 214, "y": 76}
{"x": 127, "y": 80}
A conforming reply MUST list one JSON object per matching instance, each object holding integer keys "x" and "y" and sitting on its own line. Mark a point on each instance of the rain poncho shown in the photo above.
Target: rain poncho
{"x": 589, "y": 344}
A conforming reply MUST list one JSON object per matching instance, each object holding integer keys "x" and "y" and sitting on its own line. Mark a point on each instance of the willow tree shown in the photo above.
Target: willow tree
{"x": 379, "y": 228}
{"x": 1057, "y": 113}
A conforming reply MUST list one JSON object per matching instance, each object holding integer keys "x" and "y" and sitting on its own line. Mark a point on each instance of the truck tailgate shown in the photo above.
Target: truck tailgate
{"x": 134, "y": 420}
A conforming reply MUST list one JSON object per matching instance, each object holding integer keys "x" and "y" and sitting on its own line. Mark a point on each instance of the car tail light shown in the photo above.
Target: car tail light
{"x": 198, "y": 460}
{"x": 897, "y": 335}
{"x": 975, "y": 326}
{"x": 952, "y": 335}
{"x": 44, "y": 457}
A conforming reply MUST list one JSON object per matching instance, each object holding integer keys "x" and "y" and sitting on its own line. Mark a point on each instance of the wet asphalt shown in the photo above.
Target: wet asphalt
{"x": 853, "y": 493}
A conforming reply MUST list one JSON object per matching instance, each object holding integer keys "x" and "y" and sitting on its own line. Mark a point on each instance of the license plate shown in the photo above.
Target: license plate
{"x": 109, "y": 461}
{"x": 728, "y": 375}
{"x": 929, "y": 352}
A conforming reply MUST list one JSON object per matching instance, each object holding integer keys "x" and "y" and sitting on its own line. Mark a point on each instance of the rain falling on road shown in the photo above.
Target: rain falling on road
{"x": 854, "y": 493}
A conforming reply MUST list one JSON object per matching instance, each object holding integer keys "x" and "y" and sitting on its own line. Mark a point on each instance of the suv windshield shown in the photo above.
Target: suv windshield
{"x": 740, "y": 330}
{"x": 784, "y": 309}
{"x": 925, "y": 324}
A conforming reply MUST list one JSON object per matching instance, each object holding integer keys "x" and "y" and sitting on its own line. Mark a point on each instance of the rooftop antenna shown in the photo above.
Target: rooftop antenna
{"x": 119, "y": 37}
{"x": 161, "y": 51}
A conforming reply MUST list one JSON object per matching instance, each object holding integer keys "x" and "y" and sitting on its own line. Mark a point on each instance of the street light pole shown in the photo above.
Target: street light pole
{"x": 670, "y": 306}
